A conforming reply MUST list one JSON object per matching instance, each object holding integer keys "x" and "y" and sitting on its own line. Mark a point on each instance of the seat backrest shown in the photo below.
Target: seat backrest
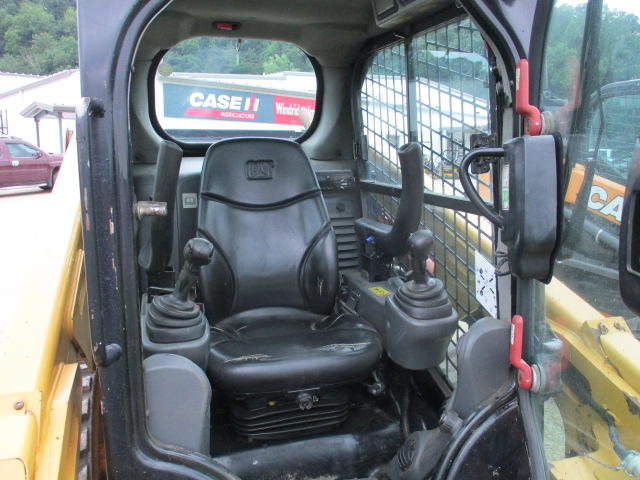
{"x": 262, "y": 208}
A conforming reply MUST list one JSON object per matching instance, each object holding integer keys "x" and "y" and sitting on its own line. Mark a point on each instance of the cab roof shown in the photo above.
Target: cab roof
{"x": 332, "y": 31}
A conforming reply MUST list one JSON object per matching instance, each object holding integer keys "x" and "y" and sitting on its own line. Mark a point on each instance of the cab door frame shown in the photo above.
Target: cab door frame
{"x": 516, "y": 32}
{"x": 109, "y": 240}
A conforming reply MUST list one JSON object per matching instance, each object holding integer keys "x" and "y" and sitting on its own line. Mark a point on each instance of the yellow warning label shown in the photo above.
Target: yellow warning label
{"x": 379, "y": 291}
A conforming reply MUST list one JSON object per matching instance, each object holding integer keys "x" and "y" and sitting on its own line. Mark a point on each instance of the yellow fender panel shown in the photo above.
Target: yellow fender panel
{"x": 40, "y": 385}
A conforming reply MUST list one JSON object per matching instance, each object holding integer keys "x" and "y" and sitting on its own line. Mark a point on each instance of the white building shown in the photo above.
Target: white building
{"x": 38, "y": 109}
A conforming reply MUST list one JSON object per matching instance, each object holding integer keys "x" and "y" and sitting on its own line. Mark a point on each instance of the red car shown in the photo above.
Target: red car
{"x": 23, "y": 164}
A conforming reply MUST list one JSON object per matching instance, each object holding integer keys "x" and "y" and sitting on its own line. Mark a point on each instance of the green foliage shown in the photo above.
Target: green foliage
{"x": 619, "y": 46}
{"x": 278, "y": 63}
{"x": 38, "y": 36}
{"x": 228, "y": 55}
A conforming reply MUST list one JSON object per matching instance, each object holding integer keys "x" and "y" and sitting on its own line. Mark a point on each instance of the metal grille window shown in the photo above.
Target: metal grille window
{"x": 384, "y": 113}
{"x": 452, "y": 95}
{"x": 433, "y": 89}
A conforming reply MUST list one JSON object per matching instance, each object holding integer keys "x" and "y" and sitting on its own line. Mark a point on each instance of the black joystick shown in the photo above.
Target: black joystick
{"x": 419, "y": 244}
{"x": 423, "y": 297}
{"x": 197, "y": 253}
{"x": 419, "y": 319}
{"x": 175, "y": 317}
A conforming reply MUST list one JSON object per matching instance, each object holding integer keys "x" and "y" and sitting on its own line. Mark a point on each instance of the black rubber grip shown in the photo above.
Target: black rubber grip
{"x": 156, "y": 233}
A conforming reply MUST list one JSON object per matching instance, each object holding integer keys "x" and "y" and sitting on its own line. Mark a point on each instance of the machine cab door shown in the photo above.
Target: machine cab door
{"x": 589, "y": 96}
{"x": 578, "y": 375}
{"x": 526, "y": 117}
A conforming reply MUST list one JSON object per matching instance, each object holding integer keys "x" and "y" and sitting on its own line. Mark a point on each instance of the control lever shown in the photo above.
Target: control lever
{"x": 419, "y": 319}
{"x": 422, "y": 297}
{"x": 176, "y": 317}
{"x": 392, "y": 240}
{"x": 419, "y": 244}
{"x": 197, "y": 253}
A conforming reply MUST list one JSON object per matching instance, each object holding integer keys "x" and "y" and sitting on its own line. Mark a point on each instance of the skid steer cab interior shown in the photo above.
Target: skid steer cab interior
{"x": 283, "y": 286}
{"x": 273, "y": 332}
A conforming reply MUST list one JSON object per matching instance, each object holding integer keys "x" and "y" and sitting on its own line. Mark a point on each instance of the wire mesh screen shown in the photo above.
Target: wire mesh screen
{"x": 458, "y": 235}
{"x": 452, "y": 98}
{"x": 385, "y": 113}
{"x": 438, "y": 95}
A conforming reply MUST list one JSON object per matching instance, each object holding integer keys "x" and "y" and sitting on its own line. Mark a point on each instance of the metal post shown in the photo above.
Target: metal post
{"x": 60, "y": 132}
{"x": 37, "y": 120}
{"x": 4, "y": 128}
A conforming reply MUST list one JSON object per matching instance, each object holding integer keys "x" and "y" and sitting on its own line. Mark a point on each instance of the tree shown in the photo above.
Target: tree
{"x": 30, "y": 20}
{"x": 38, "y": 36}
{"x": 228, "y": 55}
{"x": 618, "y": 44}
{"x": 278, "y": 63}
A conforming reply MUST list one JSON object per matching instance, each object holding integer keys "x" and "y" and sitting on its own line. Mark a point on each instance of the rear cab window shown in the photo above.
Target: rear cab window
{"x": 208, "y": 89}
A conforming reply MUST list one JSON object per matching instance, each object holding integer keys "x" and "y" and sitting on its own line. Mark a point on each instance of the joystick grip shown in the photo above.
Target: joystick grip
{"x": 419, "y": 244}
{"x": 197, "y": 252}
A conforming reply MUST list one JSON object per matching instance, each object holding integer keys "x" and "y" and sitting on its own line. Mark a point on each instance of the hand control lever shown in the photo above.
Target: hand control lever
{"x": 197, "y": 253}
{"x": 176, "y": 317}
{"x": 419, "y": 244}
{"x": 419, "y": 319}
{"x": 423, "y": 297}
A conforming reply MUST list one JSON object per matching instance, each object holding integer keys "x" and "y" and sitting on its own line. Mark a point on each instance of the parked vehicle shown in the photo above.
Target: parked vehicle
{"x": 22, "y": 164}
{"x": 263, "y": 281}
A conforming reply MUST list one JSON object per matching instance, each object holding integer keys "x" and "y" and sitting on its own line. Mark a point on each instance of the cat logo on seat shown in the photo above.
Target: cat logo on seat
{"x": 259, "y": 169}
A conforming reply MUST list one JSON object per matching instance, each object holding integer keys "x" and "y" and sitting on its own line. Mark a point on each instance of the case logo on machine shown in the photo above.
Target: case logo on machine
{"x": 259, "y": 169}
{"x": 232, "y": 107}
{"x": 607, "y": 207}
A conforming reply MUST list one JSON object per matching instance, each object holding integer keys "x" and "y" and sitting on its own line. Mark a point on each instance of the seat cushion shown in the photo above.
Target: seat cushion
{"x": 271, "y": 350}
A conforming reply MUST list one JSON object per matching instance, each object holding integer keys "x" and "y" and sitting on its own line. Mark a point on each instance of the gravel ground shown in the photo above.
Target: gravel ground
{"x": 554, "y": 436}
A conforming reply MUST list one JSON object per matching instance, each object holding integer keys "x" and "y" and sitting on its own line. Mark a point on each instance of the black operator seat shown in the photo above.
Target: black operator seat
{"x": 270, "y": 288}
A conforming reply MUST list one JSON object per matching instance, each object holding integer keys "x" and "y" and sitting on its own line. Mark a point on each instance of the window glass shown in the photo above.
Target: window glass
{"x": 212, "y": 88}
{"x": 588, "y": 347}
{"x": 597, "y": 111}
{"x": 433, "y": 89}
{"x": 21, "y": 150}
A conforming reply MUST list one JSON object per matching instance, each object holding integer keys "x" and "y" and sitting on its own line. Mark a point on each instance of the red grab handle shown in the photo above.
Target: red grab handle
{"x": 532, "y": 118}
{"x": 525, "y": 376}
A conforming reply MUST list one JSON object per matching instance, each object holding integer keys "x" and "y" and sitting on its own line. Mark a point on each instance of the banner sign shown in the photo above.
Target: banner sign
{"x": 185, "y": 101}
